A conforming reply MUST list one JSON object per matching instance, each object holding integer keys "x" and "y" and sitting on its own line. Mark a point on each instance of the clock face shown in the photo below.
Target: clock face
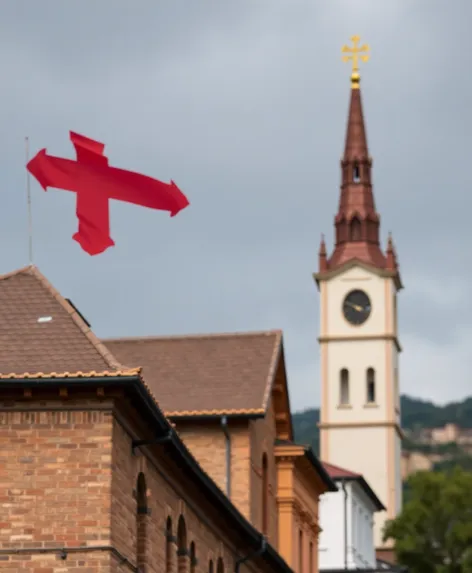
{"x": 356, "y": 307}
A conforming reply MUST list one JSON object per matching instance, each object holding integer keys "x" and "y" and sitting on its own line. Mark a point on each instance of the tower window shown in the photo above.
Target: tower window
{"x": 355, "y": 229}
{"x": 344, "y": 387}
{"x": 395, "y": 316}
{"x": 356, "y": 173}
{"x": 370, "y": 386}
{"x": 395, "y": 387}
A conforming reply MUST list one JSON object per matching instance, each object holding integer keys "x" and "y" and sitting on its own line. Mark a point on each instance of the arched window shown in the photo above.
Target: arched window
{"x": 141, "y": 522}
{"x": 265, "y": 494}
{"x": 210, "y": 567}
{"x": 342, "y": 230}
{"x": 344, "y": 387}
{"x": 300, "y": 551}
{"x": 355, "y": 230}
{"x": 370, "y": 386}
{"x": 169, "y": 543}
{"x": 220, "y": 568}
{"x": 193, "y": 558}
{"x": 182, "y": 553}
{"x": 356, "y": 173}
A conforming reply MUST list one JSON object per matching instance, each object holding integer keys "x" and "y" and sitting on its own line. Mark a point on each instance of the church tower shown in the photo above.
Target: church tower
{"x": 358, "y": 284}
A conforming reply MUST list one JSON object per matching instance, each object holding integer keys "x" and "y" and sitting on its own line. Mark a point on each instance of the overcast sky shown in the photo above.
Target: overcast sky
{"x": 244, "y": 105}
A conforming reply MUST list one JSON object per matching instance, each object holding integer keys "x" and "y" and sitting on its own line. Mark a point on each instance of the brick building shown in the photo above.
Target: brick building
{"x": 228, "y": 396}
{"x": 94, "y": 477}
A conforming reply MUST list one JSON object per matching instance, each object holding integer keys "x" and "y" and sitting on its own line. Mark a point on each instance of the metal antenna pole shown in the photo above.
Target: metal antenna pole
{"x": 28, "y": 197}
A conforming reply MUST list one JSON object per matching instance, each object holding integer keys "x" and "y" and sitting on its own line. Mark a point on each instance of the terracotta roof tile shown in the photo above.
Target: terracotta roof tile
{"x": 213, "y": 374}
{"x": 41, "y": 333}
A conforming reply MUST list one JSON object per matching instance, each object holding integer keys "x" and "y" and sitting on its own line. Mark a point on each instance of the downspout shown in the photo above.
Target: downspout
{"x": 257, "y": 553}
{"x": 343, "y": 483}
{"x": 224, "y": 425}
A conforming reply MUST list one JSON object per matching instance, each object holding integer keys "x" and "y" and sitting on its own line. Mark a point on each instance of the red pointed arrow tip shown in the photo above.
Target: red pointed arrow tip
{"x": 181, "y": 200}
{"x": 35, "y": 167}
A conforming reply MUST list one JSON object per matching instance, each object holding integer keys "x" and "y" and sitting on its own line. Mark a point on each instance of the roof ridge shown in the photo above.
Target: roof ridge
{"x": 100, "y": 348}
{"x": 16, "y": 272}
{"x": 150, "y": 338}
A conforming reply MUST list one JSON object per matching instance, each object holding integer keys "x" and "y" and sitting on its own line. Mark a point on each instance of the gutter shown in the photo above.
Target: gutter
{"x": 250, "y": 556}
{"x": 212, "y": 417}
{"x": 224, "y": 425}
{"x": 343, "y": 485}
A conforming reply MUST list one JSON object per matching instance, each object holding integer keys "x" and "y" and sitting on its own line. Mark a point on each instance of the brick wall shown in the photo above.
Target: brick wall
{"x": 171, "y": 497}
{"x": 55, "y": 476}
{"x": 249, "y": 441}
{"x": 163, "y": 502}
{"x": 70, "y": 479}
{"x": 262, "y": 438}
{"x": 207, "y": 444}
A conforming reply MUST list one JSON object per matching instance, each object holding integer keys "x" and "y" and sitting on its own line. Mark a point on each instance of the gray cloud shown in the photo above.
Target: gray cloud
{"x": 244, "y": 105}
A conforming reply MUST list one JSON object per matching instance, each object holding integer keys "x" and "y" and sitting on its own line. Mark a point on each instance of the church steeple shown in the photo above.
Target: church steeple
{"x": 357, "y": 223}
{"x": 358, "y": 280}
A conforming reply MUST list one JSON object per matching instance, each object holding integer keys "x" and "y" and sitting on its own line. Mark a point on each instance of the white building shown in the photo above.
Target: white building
{"x": 347, "y": 521}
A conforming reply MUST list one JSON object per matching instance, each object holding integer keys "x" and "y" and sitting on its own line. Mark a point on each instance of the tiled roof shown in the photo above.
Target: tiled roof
{"x": 335, "y": 472}
{"x": 41, "y": 334}
{"x": 212, "y": 374}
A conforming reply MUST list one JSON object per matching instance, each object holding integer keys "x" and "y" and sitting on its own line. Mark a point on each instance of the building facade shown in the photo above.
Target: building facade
{"x": 359, "y": 341}
{"x": 347, "y": 519}
{"x": 238, "y": 426}
{"x": 95, "y": 477}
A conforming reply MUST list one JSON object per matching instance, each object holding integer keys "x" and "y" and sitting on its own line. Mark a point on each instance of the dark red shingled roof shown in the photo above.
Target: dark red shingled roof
{"x": 357, "y": 222}
{"x": 337, "y": 473}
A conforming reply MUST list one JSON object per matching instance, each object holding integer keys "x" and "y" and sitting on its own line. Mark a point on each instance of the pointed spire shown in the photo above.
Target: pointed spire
{"x": 357, "y": 222}
{"x": 356, "y": 140}
{"x": 391, "y": 262}
{"x": 322, "y": 256}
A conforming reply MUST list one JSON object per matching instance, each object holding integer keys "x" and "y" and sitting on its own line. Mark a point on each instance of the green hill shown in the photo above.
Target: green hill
{"x": 416, "y": 414}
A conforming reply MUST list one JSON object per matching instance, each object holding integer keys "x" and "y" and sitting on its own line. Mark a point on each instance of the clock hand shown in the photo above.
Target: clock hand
{"x": 355, "y": 306}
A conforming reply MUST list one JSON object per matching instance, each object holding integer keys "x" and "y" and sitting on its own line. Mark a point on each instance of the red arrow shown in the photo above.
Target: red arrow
{"x": 95, "y": 183}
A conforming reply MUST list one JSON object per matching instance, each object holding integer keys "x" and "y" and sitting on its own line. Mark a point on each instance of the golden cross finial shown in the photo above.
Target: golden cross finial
{"x": 357, "y": 53}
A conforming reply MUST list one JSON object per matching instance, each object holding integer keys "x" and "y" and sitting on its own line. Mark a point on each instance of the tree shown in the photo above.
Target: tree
{"x": 433, "y": 534}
